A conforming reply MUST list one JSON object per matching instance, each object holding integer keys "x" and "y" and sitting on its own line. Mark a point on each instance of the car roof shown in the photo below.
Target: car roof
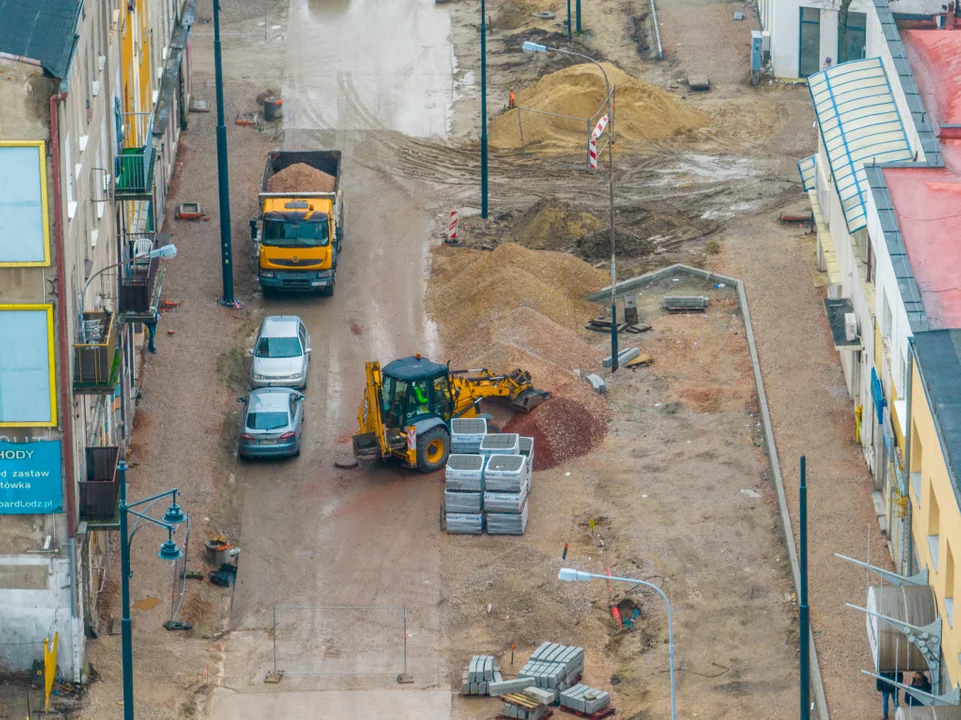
{"x": 280, "y": 326}
{"x": 267, "y": 399}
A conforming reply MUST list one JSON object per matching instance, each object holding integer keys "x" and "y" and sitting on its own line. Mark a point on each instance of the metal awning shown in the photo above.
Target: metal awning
{"x": 859, "y": 124}
{"x": 808, "y": 168}
{"x": 836, "y": 310}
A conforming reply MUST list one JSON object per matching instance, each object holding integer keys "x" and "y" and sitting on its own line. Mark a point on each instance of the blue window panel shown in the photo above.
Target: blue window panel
{"x": 25, "y": 367}
{"x": 22, "y": 232}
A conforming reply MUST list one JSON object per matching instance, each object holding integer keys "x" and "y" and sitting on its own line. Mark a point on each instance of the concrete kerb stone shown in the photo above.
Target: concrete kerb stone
{"x": 509, "y": 686}
{"x": 642, "y": 281}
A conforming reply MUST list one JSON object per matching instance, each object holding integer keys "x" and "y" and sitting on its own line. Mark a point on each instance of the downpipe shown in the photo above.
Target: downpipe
{"x": 66, "y": 406}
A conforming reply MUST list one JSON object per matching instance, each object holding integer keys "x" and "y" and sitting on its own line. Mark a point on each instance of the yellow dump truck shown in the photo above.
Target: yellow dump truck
{"x": 298, "y": 233}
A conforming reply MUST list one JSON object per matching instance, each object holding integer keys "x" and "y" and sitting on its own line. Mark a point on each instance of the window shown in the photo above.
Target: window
{"x": 809, "y": 56}
{"x": 25, "y": 239}
{"x": 267, "y": 420}
{"x": 948, "y": 582}
{"x": 418, "y": 400}
{"x": 27, "y": 376}
{"x": 886, "y": 318}
{"x": 394, "y": 396}
{"x": 856, "y": 35}
{"x": 279, "y": 347}
{"x": 934, "y": 527}
{"x": 442, "y": 398}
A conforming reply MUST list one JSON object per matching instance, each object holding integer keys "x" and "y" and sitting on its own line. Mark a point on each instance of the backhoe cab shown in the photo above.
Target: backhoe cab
{"x": 408, "y": 407}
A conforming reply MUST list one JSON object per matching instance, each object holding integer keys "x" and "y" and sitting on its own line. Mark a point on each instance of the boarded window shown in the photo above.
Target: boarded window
{"x": 24, "y": 236}
{"x": 27, "y": 385}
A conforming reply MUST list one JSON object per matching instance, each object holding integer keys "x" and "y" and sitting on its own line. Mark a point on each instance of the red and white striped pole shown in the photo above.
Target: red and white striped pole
{"x": 592, "y": 144}
{"x": 452, "y": 229}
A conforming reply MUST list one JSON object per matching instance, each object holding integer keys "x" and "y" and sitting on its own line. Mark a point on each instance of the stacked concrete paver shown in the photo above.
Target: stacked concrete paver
{"x": 585, "y": 699}
{"x": 488, "y": 489}
{"x": 554, "y": 667}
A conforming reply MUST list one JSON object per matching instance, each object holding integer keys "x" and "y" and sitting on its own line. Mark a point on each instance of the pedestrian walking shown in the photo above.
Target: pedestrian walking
{"x": 921, "y": 682}
{"x": 888, "y": 690}
{"x": 152, "y": 332}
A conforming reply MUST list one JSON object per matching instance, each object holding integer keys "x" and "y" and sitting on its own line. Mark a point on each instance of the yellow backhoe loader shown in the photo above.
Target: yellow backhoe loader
{"x": 409, "y": 404}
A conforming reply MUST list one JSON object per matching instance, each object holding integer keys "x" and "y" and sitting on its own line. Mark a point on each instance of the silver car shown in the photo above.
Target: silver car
{"x": 281, "y": 353}
{"x": 270, "y": 423}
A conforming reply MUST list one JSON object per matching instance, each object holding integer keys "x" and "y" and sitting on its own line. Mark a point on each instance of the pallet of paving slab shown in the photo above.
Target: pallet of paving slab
{"x": 606, "y": 712}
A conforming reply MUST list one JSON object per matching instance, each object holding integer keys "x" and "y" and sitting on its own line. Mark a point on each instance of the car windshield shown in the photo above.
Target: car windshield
{"x": 294, "y": 232}
{"x": 267, "y": 420}
{"x": 278, "y": 347}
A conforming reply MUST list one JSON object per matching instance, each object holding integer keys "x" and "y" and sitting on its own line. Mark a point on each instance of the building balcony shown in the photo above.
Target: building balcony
{"x": 100, "y": 490}
{"x": 134, "y": 167}
{"x": 142, "y": 284}
{"x": 96, "y": 355}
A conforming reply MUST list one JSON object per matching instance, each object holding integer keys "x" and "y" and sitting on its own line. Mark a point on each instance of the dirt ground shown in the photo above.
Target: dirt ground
{"x": 676, "y": 484}
{"x": 679, "y": 496}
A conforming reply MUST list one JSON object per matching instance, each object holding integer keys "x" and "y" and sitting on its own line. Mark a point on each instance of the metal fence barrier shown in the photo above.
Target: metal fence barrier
{"x": 340, "y": 640}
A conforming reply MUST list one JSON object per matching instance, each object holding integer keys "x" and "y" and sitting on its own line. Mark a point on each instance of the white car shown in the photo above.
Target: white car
{"x": 281, "y": 353}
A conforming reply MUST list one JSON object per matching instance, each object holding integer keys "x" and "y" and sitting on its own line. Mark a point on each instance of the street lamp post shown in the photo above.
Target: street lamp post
{"x": 223, "y": 182}
{"x": 571, "y": 575}
{"x": 169, "y": 552}
{"x": 483, "y": 50}
{"x": 530, "y": 48}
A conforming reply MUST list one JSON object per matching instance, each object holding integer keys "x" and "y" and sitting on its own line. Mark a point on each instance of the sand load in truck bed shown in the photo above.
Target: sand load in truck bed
{"x": 301, "y": 177}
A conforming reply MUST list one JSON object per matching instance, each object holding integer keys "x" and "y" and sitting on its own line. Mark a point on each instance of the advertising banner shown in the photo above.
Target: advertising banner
{"x": 30, "y": 478}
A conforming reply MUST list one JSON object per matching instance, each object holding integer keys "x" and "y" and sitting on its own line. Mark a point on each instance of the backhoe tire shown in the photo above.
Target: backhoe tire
{"x": 433, "y": 447}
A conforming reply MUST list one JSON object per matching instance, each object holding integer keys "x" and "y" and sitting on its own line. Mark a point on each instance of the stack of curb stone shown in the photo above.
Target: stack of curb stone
{"x": 480, "y": 675}
{"x": 488, "y": 480}
{"x": 584, "y": 699}
{"x": 554, "y": 667}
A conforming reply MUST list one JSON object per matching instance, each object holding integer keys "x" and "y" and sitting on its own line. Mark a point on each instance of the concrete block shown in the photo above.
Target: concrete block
{"x": 466, "y": 434}
{"x": 504, "y": 687}
{"x": 596, "y": 700}
{"x": 463, "y": 502}
{"x": 542, "y": 695}
{"x": 500, "y": 444}
{"x": 465, "y": 523}
{"x": 465, "y": 683}
{"x": 464, "y": 473}
{"x": 497, "y": 675}
{"x": 508, "y": 523}
{"x": 488, "y": 668}
{"x": 505, "y": 473}
{"x": 511, "y": 502}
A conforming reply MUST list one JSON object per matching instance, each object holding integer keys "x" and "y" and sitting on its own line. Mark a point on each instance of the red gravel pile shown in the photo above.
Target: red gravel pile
{"x": 301, "y": 177}
{"x": 562, "y": 429}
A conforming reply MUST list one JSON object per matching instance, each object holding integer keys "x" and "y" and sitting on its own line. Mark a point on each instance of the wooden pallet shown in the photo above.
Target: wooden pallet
{"x": 606, "y": 712}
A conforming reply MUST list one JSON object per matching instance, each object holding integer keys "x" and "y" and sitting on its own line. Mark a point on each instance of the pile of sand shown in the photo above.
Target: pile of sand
{"x": 520, "y": 308}
{"x": 471, "y": 287}
{"x": 642, "y": 112}
{"x": 301, "y": 177}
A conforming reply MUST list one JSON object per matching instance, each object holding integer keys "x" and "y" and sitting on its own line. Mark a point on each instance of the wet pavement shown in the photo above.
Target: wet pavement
{"x": 368, "y": 64}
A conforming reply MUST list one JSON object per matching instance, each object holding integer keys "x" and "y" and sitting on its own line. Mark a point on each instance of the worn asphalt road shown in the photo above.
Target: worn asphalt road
{"x": 319, "y": 542}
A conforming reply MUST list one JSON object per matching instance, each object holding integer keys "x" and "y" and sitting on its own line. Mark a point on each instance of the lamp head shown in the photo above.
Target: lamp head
{"x": 531, "y": 47}
{"x": 169, "y": 551}
{"x": 164, "y": 251}
{"x": 572, "y": 575}
{"x": 174, "y": 515}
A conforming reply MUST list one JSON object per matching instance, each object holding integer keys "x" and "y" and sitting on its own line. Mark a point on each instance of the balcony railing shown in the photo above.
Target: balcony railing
{"x": 100, "y": 491}
{"x": 134, "y": 166}
{"x": 96, "y": 355}
{"x": 139, "y": 275}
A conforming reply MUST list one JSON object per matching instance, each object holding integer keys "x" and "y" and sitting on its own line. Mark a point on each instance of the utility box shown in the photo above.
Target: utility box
{"x": 630, "y": 309}
{"x": 850, "y": 327}
{"x": 757, "y": 43}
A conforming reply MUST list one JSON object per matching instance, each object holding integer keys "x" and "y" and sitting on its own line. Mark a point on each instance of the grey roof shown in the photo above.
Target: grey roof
{"x": 41, "y": 30}
{"x": 938, "y": 355}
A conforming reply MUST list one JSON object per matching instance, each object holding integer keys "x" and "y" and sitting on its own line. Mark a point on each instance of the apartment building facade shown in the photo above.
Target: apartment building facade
{"x": 79, "y": 199}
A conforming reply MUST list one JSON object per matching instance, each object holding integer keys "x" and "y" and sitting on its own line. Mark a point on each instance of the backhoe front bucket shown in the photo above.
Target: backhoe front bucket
{"x": 529, "y": 399}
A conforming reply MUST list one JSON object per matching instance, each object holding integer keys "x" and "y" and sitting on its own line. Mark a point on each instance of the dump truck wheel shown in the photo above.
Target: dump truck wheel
{"x": 433, "y": 447}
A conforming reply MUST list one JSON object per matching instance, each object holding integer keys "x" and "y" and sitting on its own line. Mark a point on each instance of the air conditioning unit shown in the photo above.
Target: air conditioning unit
{"x": 850, "y": 327}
